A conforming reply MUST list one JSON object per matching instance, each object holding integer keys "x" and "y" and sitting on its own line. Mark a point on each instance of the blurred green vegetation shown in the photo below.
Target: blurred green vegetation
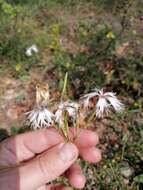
{"x": 99, "y": 44}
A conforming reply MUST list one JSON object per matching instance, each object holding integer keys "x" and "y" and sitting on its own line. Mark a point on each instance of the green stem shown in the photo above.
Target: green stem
{"x": 64, "y": 86}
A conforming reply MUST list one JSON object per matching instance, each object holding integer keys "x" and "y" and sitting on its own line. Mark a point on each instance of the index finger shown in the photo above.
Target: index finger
{"x": 25, "y": 146}
{"x": 84, "y": 138}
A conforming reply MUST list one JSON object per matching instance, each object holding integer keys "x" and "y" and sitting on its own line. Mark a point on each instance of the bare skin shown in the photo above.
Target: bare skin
{"x": 30, "y": 161}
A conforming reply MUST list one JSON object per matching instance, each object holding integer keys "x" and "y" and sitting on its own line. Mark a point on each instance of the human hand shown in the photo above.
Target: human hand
{"x": 30, "y": 161}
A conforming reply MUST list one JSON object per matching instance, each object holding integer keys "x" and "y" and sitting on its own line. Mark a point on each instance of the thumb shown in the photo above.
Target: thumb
{"x": 47, "y": 166}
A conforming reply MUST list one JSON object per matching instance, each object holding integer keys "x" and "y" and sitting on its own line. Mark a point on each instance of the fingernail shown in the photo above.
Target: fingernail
{"x": 68, "y": 152}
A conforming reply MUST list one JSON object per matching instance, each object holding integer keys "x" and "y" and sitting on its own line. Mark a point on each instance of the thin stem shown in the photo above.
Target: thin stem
{"x": 92, "y": 116}
{"x": 64, "y": 86}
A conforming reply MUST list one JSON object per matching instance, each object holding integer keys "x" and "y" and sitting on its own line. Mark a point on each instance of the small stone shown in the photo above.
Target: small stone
{"x": 108, "y": 179}
{"x": 127, "y": 171}
{"x": 126, "y": 181}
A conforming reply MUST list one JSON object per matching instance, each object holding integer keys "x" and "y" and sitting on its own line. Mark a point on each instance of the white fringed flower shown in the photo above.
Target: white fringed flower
{"x": 105, "y": 101}
{"x": 70, "y": 107}
{"x": 31, "y": 50}
{"x": 85, "y": 100}
{"x": 40, "y": 117}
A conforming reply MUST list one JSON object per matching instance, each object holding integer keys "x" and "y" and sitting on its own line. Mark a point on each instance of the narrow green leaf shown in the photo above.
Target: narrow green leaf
{"x": 64, "y": 86}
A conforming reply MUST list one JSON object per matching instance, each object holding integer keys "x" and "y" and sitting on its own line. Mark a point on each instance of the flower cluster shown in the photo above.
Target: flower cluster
{"x": 106, "y": 101}
{"x": 70, "y": 107}
{"x": 42, "y": 116}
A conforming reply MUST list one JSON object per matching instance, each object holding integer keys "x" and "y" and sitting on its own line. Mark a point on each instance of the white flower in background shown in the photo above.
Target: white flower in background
{"x": 70, "y": 107}
{"x": 31, "y": 50}
{"x": 40, "y": 117}
{"x": 105, "y": 102}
